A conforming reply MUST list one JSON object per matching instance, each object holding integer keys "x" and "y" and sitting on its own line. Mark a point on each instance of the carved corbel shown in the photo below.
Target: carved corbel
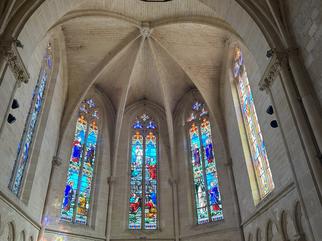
{"x": 172, "y": 181}
{"x": 111, "y": 180}
{"x": 12, "y": 56}
{"x": 57, "y": 161}
{"x": 279, "y": 61}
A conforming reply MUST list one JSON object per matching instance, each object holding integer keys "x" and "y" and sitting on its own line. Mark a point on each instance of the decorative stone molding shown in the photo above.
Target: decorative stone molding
{"x": 12, "y": 56}
{"x": 146, "y": 30}
{"x": 279, "y": 58}
{"x": 57, "y": 161}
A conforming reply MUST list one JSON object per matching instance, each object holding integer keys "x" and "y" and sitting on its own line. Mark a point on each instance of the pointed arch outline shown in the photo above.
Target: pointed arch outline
{"x": 145, "y": 127}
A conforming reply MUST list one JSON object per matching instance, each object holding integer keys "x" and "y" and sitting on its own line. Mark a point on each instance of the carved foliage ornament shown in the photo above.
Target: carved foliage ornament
{"x": 10, "y": 51}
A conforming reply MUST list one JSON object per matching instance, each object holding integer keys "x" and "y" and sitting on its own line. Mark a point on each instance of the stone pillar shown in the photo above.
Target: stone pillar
{"x": 279, "y": 67}
{"x": 174, "y": 185}
{"x": 307, "y": 95}
{"x": 56, "y": 162}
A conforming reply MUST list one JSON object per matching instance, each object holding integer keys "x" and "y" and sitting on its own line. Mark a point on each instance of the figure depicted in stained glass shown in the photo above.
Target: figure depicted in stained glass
{"x": 24, "y": 147}
{"x": 68, "y": 196}
{"x": 143, "y": 180}
{"x": 75, "y": 207}
{"x": 254, "y": 135}
{"x": 207, "y": 194}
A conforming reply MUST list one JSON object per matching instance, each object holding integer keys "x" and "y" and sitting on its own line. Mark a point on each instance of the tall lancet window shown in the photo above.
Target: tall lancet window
{"x": 208, "y": 203}
{"x": 28, "y": 136}
{"x": 78, "y": 189}
{"x": 143, "y": 202}
{"x": 256, "y": 143}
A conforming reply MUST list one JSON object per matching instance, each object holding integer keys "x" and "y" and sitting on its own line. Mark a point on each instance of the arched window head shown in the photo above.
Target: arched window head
{"x": 256, "y": 143}
{"x": 208, "y": 203}
{"x": 143, "y": 200}
{"x": 78, "y": 189}
{"x": 28, "y": 136}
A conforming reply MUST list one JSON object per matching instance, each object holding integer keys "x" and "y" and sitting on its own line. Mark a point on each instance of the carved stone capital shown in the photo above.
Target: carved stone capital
{"x": 10, "y": 52}
{"x": 271, "y": 72}
{"x": 57, "y": 161}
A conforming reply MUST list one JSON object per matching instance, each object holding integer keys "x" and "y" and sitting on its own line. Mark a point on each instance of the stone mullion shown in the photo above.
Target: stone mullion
{"x": 143, "y": 179}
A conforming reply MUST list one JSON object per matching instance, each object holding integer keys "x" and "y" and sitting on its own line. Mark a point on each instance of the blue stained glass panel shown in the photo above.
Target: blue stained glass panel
{"x": 87, "y": 175}
{"x": 24, "y": 146}
{"x": 68, "y": 206}
{"x": 151, "y": 164}
{"x": 214, "y": 197}
{"x": 77, "y": 195}
{"x": 198, "y": 176}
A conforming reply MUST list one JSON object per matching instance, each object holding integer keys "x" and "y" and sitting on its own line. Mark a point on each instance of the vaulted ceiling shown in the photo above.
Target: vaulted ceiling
{"x": 137, "y": 51}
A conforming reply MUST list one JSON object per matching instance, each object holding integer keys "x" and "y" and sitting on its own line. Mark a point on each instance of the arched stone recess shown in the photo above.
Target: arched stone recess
{"x": 22, "y": 236}
{"x": 250, "y": 237}
{"x": 38, "y": 167}
{"x": 273, "y": 232}
{"x": 99, "y": 192}
{"x": 9, "y": 232}
{"x": 259, "y": 235}
{"x": 121, "y": 177}
{"x": 49, "y": 120}
{"x": 189, "y": 229}
{"x": 301, "y": 224}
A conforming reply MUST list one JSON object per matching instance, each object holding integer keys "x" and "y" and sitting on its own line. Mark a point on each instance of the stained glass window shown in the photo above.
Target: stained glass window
{"x": 143, "y": 203}
{"x": 77, "y": 194}
{"x": 208, "y": 203}
{"x": 25, "y": 144}
{"x": 254, "y": 135}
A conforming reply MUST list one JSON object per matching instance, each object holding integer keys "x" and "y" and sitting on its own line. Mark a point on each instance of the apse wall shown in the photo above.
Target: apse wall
{"x": 121, "y": 179}
{"x": 263, "y": 219}
{"x": 228, "y": 228}
{"x": 95, "y": 229}
{"x": 25, "y": 213}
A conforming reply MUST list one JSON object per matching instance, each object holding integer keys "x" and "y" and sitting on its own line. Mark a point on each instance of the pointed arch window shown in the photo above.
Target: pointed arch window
{"x": 78, "y": 189}
{"x": 208, "y": 203}
{"x": 255, "y": 139}
{"x": 28, "y": 136}
{"x": 143, "y": 201}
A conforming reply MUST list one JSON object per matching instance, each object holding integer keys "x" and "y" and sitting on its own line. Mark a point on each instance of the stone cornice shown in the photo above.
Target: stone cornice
{"x": 13, "y": 58}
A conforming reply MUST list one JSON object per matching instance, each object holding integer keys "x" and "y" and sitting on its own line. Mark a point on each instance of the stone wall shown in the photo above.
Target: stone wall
{"x": 25, "y": 213}
{"x": 305, "y": 18}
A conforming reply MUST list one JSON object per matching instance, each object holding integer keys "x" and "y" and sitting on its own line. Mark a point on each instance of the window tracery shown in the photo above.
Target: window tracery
{"x": 255, "y": 139}
{"x": 77, "y": 194}
{"x": 143, "y": 201}
{"x": 28, "y": 136}
{"x": 208, "y": 204}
